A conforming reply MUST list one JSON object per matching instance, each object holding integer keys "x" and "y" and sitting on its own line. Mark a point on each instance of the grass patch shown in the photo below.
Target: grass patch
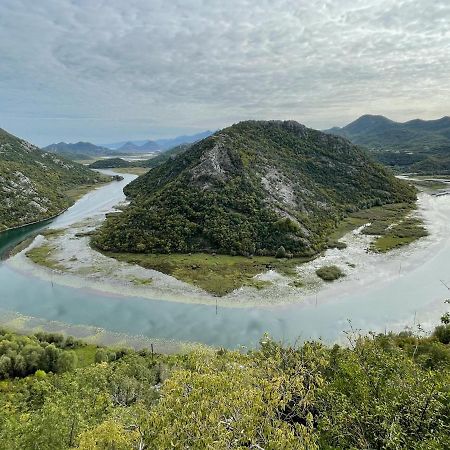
{"x": 403, "y": 233}
{"x": 430, "y": 185}
{"x": 53, "y": 232}
{"x": 390, "y": 222}
{"x": 141, "y": 281}
{"x": 132, "y": 170}
{"x": 77, "y": 192}
{"x": 258, "y": 284}
{"x": 330, "y": 273}
{"x": 297, "y": 284}
{"x": 346, "y": 225}
{"x": 42, "y": 256}
{"x": 216, "y": 274}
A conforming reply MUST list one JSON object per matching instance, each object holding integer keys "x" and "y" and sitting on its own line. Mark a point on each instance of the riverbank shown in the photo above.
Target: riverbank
{"x": 66, "y": 258}
{"x": 23, "y": 324}
{"x": 402, "y": 288}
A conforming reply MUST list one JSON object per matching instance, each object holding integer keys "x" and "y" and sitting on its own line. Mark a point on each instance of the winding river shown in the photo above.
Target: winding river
{"x": 393, "y": 292}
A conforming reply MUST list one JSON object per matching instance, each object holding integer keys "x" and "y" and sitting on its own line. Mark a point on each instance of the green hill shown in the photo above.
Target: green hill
{"x": 34, "y": 184}
{"x": 110, "y": 163}
{"x": 250, "y": 189}
{"x": 421, "y": 146}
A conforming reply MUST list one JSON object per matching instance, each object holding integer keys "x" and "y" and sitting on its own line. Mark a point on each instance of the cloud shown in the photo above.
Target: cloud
{"x": 100, "y": 68}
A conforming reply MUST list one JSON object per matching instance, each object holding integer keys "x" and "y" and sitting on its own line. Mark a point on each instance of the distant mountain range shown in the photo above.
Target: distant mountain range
{"x": 79, "y": 150}
{"x": 421, "y": 146}
{"x": 86, "y": 150}
{"x": 158, "y": 144}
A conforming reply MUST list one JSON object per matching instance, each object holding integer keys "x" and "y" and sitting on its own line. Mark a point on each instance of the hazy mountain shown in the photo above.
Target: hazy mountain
{"x": 150, "y": 146}
{"x": 116, "y": 145}
{"x": 416, "y": 146}
{"x": 129, "y": 147}
{"x": 158, "y": 144}
{"x": 166, "y": 144}
{"x": 34, "y": 183}
{"x": 251, "y": 188}
{"x": 79, "y": 150}
{"x": 163, "y": 157}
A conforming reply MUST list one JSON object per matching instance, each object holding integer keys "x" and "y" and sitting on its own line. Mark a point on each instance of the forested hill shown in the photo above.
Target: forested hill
{"x": 381, "y": 133}
{"x": 33, "y": 183}
{"x": 109, "y": 163}
{"x": 250, "y": 189}
{"x": 421, "y": 146}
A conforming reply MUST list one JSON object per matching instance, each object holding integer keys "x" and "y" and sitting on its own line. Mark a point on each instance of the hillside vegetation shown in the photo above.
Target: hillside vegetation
{"x": 34, "y": 184}
{"x": 421, "y": 146}
{"x": 110, "y": 163}
{"x": 388, "y": 391}
{"x": 251, "y": 189}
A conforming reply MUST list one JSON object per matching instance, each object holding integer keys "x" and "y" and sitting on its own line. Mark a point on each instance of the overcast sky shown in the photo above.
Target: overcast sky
{"x": 108, "y": 70}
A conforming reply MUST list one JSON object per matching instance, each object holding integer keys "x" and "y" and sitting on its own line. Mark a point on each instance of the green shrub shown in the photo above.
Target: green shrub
{"x": 330, "y": 273}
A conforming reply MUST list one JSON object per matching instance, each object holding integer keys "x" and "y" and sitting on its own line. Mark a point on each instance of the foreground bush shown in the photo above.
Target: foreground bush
{"x": 380, "y": 392}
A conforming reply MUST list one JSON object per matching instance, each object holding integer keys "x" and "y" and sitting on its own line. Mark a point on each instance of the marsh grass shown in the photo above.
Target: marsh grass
{"x": 392, "y": 224}
{"x": 216, "y": 274}
{"x": 77, "y": 192}
{"x": 141, "y": 281}
{"x": 132, "y": 170}
{"x": 43, "y": 256}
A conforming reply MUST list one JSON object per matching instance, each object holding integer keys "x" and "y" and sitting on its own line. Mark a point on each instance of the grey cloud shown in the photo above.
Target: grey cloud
{"x": 194, "y": 64}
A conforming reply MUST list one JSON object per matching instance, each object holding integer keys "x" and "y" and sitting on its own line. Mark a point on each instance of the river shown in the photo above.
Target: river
{"x": 395, "y": 292}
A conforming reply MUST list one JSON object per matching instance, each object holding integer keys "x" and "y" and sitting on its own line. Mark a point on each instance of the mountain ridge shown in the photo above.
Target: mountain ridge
{"x": 250, "y": 189}
{"x": 417, "y": 145}
{"x": 34, "y": 183}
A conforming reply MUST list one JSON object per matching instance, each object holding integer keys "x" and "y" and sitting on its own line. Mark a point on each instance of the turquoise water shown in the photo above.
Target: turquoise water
{"x": 388, "y": 303}
{"x": 9, "y": 239}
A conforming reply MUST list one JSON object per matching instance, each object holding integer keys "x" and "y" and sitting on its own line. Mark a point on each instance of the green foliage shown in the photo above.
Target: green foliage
{"x": 381, "y": 392}
{"x": 24, "y": 355}
{"x": 378, "y": 398}
{"x": 34, "y": 184}
{"x": 330, "y": 273}
{"x": 250, "y": 189}
{"x": 442, "y": 333}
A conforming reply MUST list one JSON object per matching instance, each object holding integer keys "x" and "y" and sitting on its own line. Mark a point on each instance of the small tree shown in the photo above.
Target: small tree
{"x": 281, "y": 252}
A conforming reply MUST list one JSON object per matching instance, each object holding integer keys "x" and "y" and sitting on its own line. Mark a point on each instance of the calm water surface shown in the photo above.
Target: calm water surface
{"x": 390, "y": 303}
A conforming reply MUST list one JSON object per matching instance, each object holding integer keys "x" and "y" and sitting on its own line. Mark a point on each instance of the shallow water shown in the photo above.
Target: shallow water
{"x": 395, "y": 291}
